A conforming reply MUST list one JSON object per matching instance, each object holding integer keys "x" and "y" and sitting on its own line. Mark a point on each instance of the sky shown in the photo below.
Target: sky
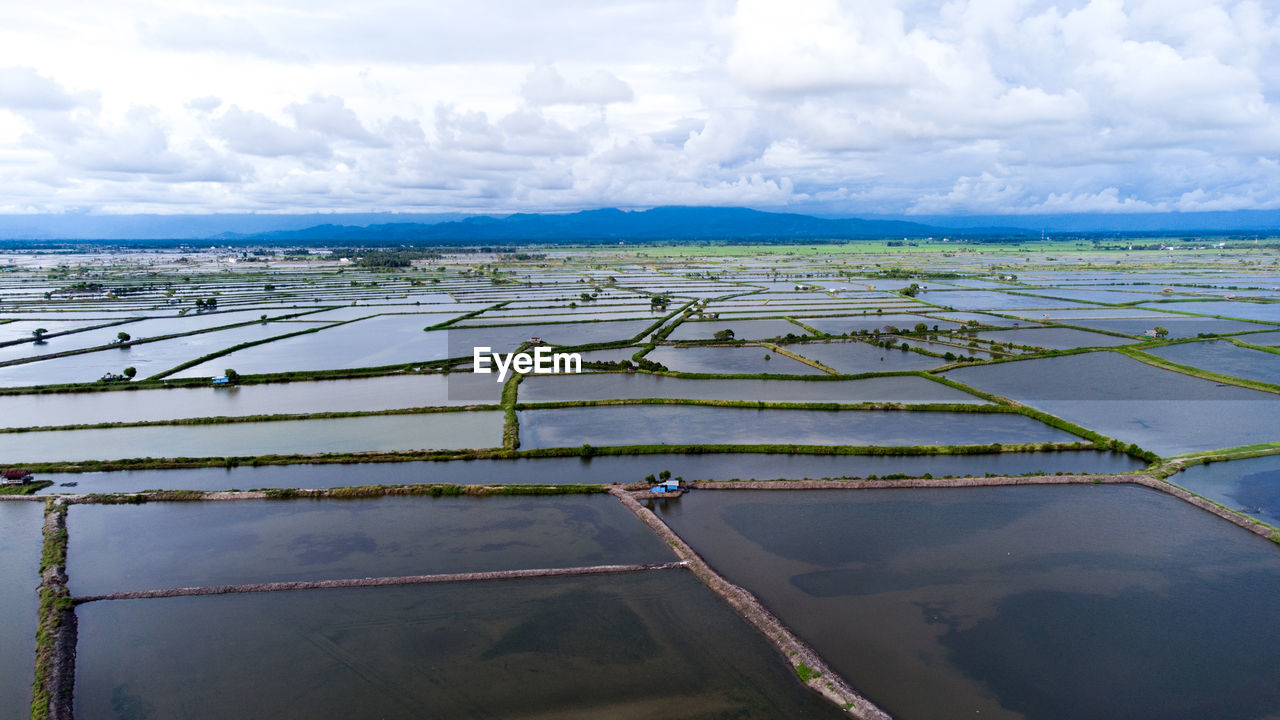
{"x": 867, "y": 106}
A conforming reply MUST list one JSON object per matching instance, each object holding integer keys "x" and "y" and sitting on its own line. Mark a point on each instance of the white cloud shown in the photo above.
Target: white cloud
{"x": 873, "y": 106}
{"x": 546, "y": 86}
{"x": 330, "y": 116}
{"x": 22, "y": 88}
{"x": 252, "y": 133}
{"x": 208, "y": 103}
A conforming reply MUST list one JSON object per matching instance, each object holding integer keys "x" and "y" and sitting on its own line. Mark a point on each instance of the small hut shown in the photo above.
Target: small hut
{"x": 15, "y": 476}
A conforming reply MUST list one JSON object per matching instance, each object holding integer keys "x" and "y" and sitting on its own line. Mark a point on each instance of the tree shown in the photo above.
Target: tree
{"x": 921, "y": 327}
{"x": 665, "y": 475}
{"x": 725, "y": 334}
{"x": 38, "y": 334}
{"x": 1161, "y": 331}
{"x": 911, "y": 290}
{"x": 232, "y": 375}
{"x": 130, "y": 371}
{"x": 122, "y": 337}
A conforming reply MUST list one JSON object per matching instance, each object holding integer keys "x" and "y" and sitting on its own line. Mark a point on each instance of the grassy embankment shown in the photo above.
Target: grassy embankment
{"x": 56, "y": 617}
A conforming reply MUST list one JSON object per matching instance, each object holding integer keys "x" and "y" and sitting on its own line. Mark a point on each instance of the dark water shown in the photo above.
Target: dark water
{"x": 1222, "y": 357}
{"x": 1163, "y": 411}
{"x": 907, "y": 389}
{"x": 653, "y": 645}
{"x": 1249, "y": 486}
{"x": 1044, "y": 603}
{"x": 133, "y": 547}
{"x": 677, "y": 424}
{"x": 19, "y": 578}
{"x": 590, "y": 471}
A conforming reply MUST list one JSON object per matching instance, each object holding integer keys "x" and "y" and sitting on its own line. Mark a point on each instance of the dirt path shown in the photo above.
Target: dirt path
{"x": 821, "y": 677}
{"x": 377, "y": 582}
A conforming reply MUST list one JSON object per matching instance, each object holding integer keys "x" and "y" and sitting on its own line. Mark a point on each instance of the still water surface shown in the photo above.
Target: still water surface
{"x": 1036, "y": 603}
{"x": 632, "y": 647}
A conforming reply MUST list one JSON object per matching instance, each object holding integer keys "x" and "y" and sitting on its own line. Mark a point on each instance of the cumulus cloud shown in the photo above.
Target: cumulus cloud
{"x": 22, "y": 88}
{"x": 330, "y": 116}
{"x": 877, "y": 106}
{"x": 252, "y": 133}
{"x": 208, "y": 103}
{"x": 546, "y": 86}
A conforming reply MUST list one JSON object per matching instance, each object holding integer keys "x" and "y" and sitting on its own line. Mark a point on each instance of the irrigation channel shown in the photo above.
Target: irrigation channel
{"x": 56, "y": 647}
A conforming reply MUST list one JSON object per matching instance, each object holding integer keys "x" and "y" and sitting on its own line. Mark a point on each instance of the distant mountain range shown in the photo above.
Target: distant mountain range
{"x": 603, "y": 225}
{"x": 609, "y": 225}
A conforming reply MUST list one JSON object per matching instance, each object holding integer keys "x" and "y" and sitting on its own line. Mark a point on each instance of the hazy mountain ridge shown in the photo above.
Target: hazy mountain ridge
{"x": 662, "y": 223}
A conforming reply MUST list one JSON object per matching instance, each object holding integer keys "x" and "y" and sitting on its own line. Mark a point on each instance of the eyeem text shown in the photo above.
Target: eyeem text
{"x": 540, "y": 362}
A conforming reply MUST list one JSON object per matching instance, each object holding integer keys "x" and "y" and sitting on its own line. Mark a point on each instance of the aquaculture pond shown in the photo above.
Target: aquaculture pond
{"x": 676, "y": 424}
{"x": 1162, "y": 411}
{"x": 991, "y": 300}
{"x": 19, "y": 330}
{"x": 147, "y": 359}
{"x": 591, "y": 471}
{"x": 609, "y": 354}
{"x": 434, "y": 431}
{"x": 729, "y": 360}
{"x": 359, "y": 394}
{"x": 1179, "y": 326}
{"x": 636, "y": 646}
{"x": 1262, "y": 338}
{"x": 852, "y": 324}
{"x": 157, "y": 545}
{"x": 1109, "y": 297}
{"x": 1054, "y": 338}
{"x": 965, "y": 317}
{"x": 463, "y": 341}
{"x": 855, "y": 357}
{"x": 1249, "y": 486}
{"x": 1266, "y": 312}
{"x": 742, "y": 329}
{"x": 373, "y": 342}
{"x": 1035, "y": 603}
{"x": 604, "y": 386}
{"x": 20, "y": 540}
{"x": 137, "y": 330}
{"x": 1221, "y": 356}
